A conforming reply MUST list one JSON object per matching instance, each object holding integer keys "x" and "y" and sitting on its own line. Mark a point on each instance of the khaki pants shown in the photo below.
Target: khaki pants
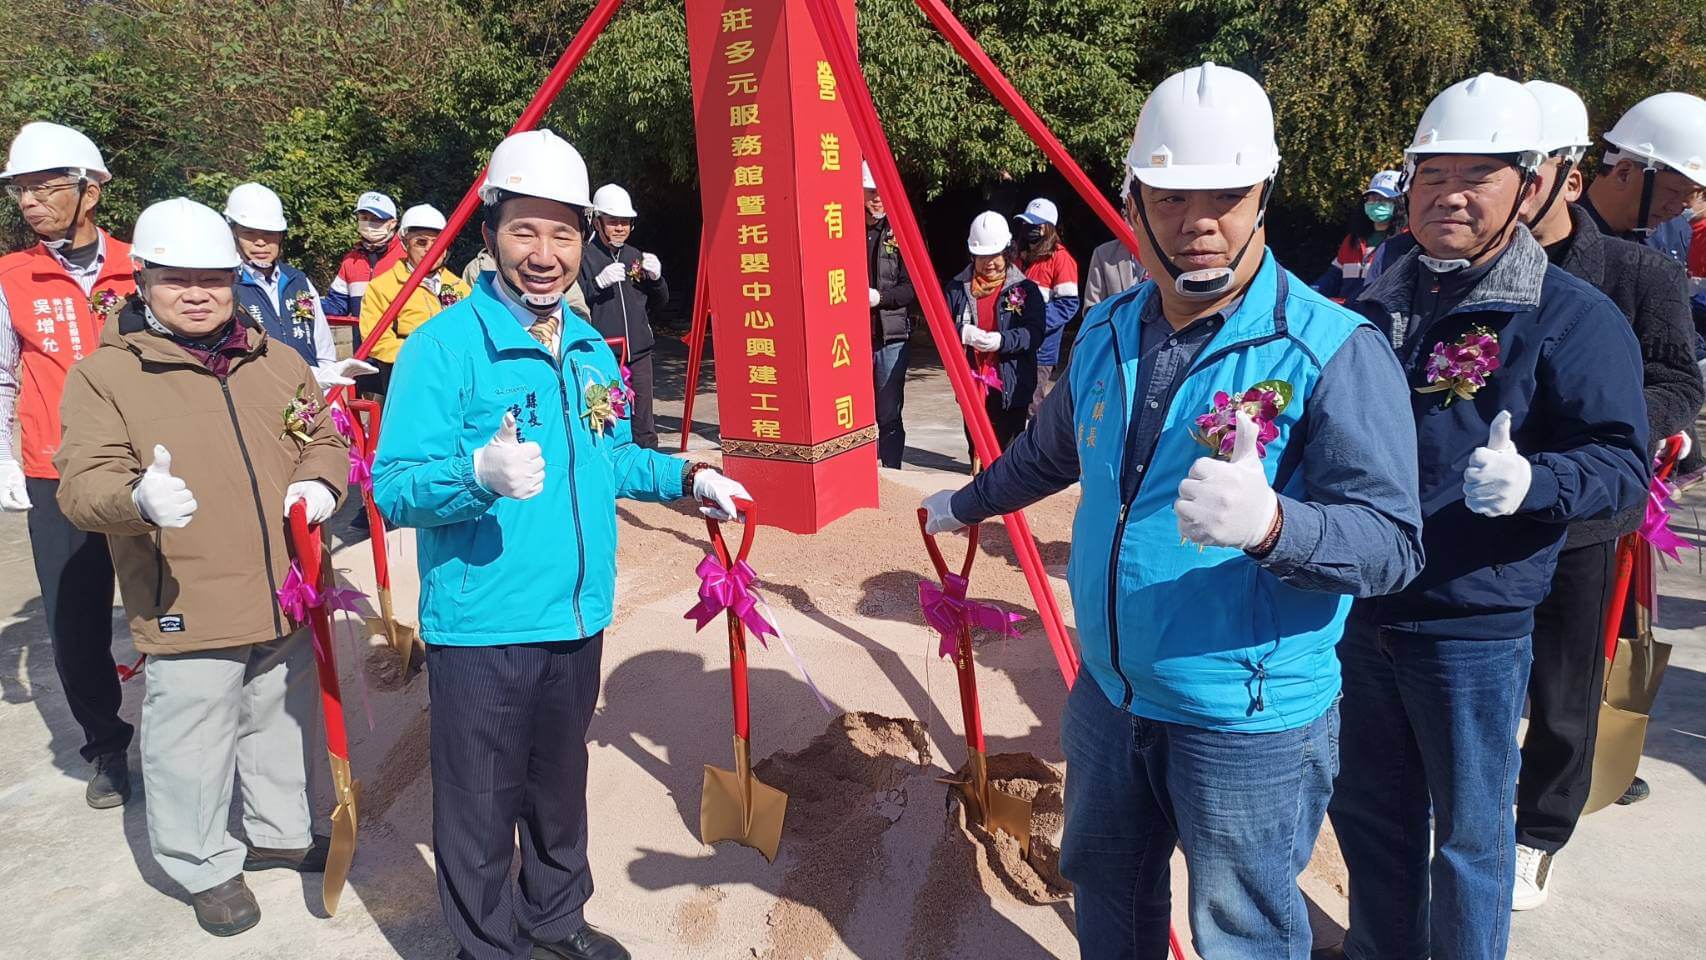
{"x": 244, "y": 710}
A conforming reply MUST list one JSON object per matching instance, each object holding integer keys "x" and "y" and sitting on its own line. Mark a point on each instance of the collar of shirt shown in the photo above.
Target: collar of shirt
{"x": 1153, "y": 313}
{"x": 85, "y": 276}
{"x": 526, "y": 317}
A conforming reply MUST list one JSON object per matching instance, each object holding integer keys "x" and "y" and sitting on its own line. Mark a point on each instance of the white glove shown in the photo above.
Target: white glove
{"x": 1687, "y": 445}
{"x": 1228, "y": 503}
{"x": 968, "y": 334}
{"x": 984, "y": 341}
{"x": 342, "y": 373}
{"x": 651, "y": 265}
{"x": 939, "y": 513}
{"x": 876, "y": 298}
{"x": 14, "y": 495}
{"x": 612, "y": 274}
{"x": 508, "y": 467}
{"x": 318, "y": 498}
{"x": 165, "y": 500}
{"x": 1497, "y": 477}
{"x": 719, "y": 493}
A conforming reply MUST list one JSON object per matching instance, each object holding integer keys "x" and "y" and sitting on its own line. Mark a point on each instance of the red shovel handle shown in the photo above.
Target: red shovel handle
{"x": 970, "y": 711}
{"x": 306, "y": 541}
{"x": 737, "y": 632}
{"x": 366, "y": 442}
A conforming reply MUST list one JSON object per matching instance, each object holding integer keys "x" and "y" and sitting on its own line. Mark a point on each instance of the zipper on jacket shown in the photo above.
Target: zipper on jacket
{"x": 159, "y": 572}
{"x": 260, "y": 509}
{"x": 1126, "y": 502}
{"x": 574, "y": 493}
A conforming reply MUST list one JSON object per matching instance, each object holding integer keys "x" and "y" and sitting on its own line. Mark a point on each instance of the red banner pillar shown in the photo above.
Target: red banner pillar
{"x": 784, "y": 255}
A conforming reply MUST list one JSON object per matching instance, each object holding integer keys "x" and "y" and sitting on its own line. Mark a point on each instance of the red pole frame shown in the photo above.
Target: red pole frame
{"x": 530, "y": 117}
{"x": 697, "y": 331}
{"x": 838, "y": 47}
{"x": 997, "y": 83}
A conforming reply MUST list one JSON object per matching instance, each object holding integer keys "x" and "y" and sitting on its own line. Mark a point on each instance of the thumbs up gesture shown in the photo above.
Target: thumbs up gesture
{"x": 508, "y": 467}
{"x": 1498, "y": 476}
{"x": 1228, "y": 503}
{"x": 164, "y": 500}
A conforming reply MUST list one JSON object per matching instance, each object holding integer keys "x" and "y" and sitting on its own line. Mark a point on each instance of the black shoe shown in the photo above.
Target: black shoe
{"x": 228, "y": 909}
{"x": 110, "y": 786}
{"x": 310, "y": 859}
{"x": 1334, "y": 952}
{"x": 585, "y": 944}
{"x": 1638, "y": 791}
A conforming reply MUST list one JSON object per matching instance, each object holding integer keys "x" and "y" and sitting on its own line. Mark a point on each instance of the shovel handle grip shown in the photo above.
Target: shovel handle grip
{"x": 936, "y": 560}
{"x": 306, "y": 543}
{"x": 1626, "y": 548}
{"x": 737, "y": 632}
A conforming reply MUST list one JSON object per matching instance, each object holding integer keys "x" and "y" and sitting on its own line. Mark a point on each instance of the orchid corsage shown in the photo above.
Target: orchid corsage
{"x": 1264, "y": 402}
{"x": 299, "y": 414}
{"x": 302, "y": 308}
{"x": 447, "y": 297}
{"x": 605, "y": 404}
{"x": 1460, "y": 369}
{"x": 1016, "y": 299}
{"x": 104, "y": 302}
{"x": 635, "y": 272}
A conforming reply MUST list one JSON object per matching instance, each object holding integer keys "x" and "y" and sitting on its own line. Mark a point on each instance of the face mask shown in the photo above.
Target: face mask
{"x": 1380, "y": 211}
{"x": 1690, "y": 215}
{"x": 374, "y": 234}
{"x": 1033, "y": 234}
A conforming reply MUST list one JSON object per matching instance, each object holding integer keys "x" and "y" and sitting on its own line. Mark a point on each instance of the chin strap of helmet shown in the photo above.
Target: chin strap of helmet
{"x": 64, "y": 243}
{"x": 1572, "y": 156}
{"x": 1210, "y": 283}
{"x": 1649, "y": 175}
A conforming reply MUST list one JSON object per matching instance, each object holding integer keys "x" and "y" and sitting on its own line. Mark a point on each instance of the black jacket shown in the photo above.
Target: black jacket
{"x": 891, "y": 320}
{"x": 1652, "y": 291}
{"x": 622, "y": 309}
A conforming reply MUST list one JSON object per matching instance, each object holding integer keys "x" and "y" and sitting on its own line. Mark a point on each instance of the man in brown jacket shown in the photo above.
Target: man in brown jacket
{"x": 187, "y": 436}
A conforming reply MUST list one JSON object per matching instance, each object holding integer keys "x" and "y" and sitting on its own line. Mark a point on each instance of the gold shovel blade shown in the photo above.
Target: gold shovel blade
{"x": 1012, "y": 814}
{"x": 1616, "y": 754}
{"x": 403, "y": 639}
{"x": 735, "y": 805}
{"x": 344, "y": 832}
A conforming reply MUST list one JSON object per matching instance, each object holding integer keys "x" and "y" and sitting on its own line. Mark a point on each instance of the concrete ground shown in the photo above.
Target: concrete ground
{"x": 80, "y": 883}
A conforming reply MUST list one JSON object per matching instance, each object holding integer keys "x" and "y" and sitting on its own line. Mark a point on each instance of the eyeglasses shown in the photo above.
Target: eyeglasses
{"x": 40, "y": 191}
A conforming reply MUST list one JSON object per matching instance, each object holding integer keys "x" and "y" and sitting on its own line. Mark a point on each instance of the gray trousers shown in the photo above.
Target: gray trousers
{"x": 205, "y": 716}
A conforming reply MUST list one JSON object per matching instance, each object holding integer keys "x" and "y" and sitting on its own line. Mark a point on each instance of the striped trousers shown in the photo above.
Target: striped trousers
{"x": 509, "y": 754}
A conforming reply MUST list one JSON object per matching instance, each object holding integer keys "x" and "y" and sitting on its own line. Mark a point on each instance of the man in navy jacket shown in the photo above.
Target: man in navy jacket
{"x": 1509, "y": 453}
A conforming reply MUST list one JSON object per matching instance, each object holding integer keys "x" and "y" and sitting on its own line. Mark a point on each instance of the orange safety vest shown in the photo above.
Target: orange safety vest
{"x": 56, "y": 327}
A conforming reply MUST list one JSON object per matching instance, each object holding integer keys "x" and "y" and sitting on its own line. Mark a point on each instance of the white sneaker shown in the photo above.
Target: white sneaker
{"x": 1533, "y": 870}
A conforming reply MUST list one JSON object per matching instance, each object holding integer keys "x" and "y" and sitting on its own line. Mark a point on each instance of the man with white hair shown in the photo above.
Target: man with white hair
{"x": 55, "y": 297}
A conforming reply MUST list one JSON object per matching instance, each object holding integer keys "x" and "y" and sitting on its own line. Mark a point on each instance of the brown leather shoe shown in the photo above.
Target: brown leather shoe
{"x": 310, "y": 859}
{"x": 228, "y": 909}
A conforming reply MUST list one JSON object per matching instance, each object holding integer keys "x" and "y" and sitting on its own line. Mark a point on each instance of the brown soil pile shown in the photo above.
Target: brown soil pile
{"x": 845, "y": 789}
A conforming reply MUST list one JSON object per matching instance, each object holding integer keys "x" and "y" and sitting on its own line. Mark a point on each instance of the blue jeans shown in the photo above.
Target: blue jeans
{"x": 1244, "y": 807}
{"x": 1429, "y": 719}
{"x": 888, "y": 372}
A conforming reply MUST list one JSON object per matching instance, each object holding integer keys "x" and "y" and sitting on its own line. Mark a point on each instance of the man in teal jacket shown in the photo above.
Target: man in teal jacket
{"x": 1246, "y": 467}
{"x": 507, "y": 447}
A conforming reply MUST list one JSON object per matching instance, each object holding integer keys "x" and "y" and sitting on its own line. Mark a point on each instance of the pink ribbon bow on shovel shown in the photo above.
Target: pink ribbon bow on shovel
{"x": 297, "y": 596}
{"x": 948, "y": 611}
{"x": 729, "y": 588}
{"x": 1655, "y": 529}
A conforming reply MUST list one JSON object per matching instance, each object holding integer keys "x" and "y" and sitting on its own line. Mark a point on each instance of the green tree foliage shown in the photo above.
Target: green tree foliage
{"x": 322, "y": 99}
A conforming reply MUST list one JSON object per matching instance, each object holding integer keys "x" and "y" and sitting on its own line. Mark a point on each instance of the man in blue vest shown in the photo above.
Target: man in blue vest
{"x": 1211, "y": 584}
{"x": 1525, "y": 389}
{"x": 507, "y": 455}
{"x": 279, "y": 298}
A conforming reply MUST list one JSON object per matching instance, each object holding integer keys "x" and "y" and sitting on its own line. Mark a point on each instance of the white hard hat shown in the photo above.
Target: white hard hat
{"x": 537, "y": 163}
{"x": 1040, "y": 210}
{"x": 1563, "y": 119}
{"x": 613, "y": 201}
{"x": 421, "y": 216}
{"x": 182, "y": 233}
{"x": 43, "y": 146}
{"x": 255, "y": 206}
{"x": 1204, "y": 128}
{"x": 1668, "y": 129}
{"x": 1486, "y": 115}
{"x": 865, "y": 178}
{"x": 1386, "y": 183}
{"x": 989, "y": 234}
{"x": 377, "y": 204}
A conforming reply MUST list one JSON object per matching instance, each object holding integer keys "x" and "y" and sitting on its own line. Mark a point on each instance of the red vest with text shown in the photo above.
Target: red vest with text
{"x": 56, "y": 327}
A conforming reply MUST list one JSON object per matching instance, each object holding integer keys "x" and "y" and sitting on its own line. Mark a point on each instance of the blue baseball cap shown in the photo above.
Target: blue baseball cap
{"x": 1385, "y": 183}
{"x": 1040, "y": 210}
{"x": 377, "y": 204}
